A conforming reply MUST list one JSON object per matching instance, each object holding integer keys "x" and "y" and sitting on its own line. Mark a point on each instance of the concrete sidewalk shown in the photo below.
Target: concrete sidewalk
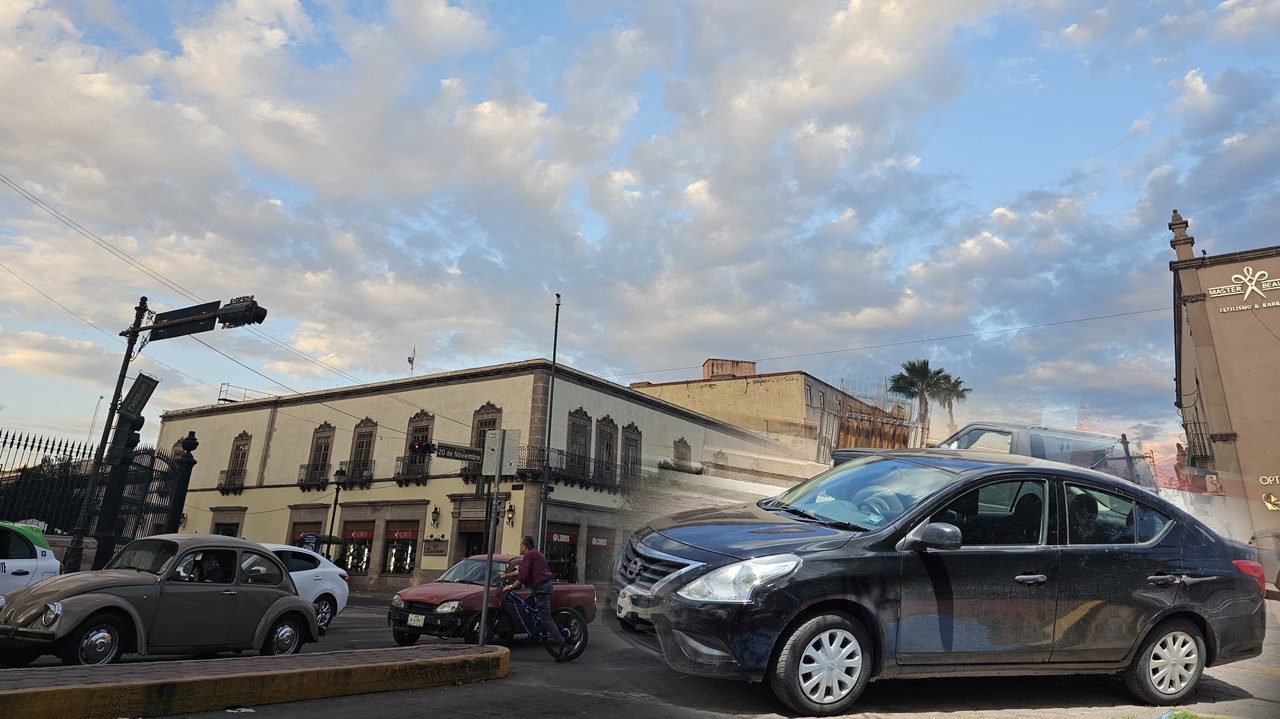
{"x": 175, "y": 687}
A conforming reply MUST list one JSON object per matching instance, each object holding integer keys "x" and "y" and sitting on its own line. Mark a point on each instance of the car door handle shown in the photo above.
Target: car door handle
{"x": 230, "y": 592}
{"x": 1162, "y": 580}
{"x": 19, "y": 572}
{"x": 1031, "y": 580}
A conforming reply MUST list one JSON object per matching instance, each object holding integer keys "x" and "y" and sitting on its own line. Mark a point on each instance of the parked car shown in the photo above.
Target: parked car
{"x": 167, "y": 594}
{"x": 25, "y": 556}
{"x": 926, "y": 563}
{"x": 449, "y": 607}
{"x": 1268, "y": 545}
{"x": 319, "y": 581}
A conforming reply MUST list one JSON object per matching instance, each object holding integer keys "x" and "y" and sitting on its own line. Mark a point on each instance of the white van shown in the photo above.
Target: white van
{"x": 1103, "y": 452}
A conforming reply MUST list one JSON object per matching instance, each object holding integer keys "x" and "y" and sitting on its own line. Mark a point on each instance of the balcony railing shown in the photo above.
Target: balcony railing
{"x": 411, "y": 469}
{"x": 1199, "y": 450}
{"x": 313, "y": 476}
{"x": 571, "y": 469}
{"x": 231, "y": 481}
{"x": 355, "y": 474}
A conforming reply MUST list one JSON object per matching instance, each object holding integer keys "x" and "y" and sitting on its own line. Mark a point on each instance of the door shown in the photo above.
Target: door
{"x": 992, "y": 600}
{"x": 1115, "y": 574}
{"x": 18, "y": 564}
{"x": 260, "y": 582}
{"x": 195, "y": 613}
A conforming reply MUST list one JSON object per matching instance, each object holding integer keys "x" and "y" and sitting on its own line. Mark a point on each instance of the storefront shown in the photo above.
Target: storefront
{"x": 400, "y": 548}
{"x": 600, "y": 551}
{"x": 358, "y": 547}
{"x": 562, "y": 550}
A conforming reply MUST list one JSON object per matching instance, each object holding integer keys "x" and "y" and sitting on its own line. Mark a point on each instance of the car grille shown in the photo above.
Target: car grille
{"x": 643, "y": 568}
{"x": 420, "y": 607}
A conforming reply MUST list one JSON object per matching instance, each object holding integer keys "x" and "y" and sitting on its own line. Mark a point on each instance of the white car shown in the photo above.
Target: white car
{"x": 319, "y": 581}
{"x": 25, "y": 557}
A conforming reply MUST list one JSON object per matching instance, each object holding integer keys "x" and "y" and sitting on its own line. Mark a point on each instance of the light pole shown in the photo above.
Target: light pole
{"x": 339, "y": 478}
{"x": 545, "y": 493}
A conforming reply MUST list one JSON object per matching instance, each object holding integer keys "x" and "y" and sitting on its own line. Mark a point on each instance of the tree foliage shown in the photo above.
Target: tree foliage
{"x": 923, "y": 383}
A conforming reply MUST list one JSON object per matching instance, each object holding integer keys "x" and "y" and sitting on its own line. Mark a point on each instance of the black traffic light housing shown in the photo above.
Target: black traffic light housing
{"x": 125, "y": 440}
{"x": 421, "y": 448}
{"x": 241, "y": 311}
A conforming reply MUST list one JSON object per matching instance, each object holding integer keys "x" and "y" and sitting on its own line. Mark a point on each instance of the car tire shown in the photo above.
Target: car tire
{"x": 805, "y": 675}
{"x": 500, "y": 630}
{"x": 16, "y": 659}
{"x": 404, "y": 639}
{"x": 574, "y": 628}
{"x": 97, "y": 640}
{"x": 285, "y": 637}
{"x": 326, "y": 610}
{"x": 1168, "y": 664}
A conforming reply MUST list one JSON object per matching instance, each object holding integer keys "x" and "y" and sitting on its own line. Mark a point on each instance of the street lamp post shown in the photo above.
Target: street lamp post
{"x": 545, "y": 493}
{"x": 339, "y": 478}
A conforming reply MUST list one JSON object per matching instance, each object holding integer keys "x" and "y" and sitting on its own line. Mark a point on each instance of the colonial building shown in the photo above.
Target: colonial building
{"x": 339, "y": 464}
{"x": 1227, "y": 347}
{"x": 793, "y": 408}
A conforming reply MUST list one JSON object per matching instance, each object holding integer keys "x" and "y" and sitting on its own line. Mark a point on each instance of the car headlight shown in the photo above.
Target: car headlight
{"x": 735, "y": 583}
{"x": 1, "y": 602}
{"x": 450, "y": 607}
{"x": 397, "y": 601}
{"x": 52, "y": 611}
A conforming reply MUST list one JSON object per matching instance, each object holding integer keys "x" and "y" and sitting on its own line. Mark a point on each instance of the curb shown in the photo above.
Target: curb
{"x": 250, "y": 681}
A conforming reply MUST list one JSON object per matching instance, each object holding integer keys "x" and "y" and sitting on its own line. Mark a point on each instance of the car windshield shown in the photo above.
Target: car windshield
{"x": 862, "y": 494}
{"x": 471, "y": 571}
{"x": 147, "y": 555}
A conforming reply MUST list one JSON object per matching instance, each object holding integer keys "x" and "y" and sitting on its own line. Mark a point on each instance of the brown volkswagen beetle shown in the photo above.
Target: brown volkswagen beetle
{"x": 167, "y": 594}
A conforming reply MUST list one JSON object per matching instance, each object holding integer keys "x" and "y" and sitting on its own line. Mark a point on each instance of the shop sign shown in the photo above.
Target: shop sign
{"x": 1271, "y": 502}
{"x": 1269, "y": 479}
{"x": 402, "y": 534}
{"x": 562, "y": 538}
{"x": 310, "y": 540}
{"x": 358, "y": 534}
{"x": 1249, "y": 284}
{"x": 599, "y": 541}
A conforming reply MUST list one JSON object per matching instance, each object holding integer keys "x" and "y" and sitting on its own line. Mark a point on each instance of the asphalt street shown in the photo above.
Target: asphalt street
{"x": 617, "y": 680}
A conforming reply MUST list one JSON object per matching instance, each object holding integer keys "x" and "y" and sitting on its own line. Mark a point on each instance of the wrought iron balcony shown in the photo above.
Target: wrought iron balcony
{"x": 355, "y": 474}
{"x": 411, "y": 469}
{"x": 1199, "y": 449}
{"x": 313, "y": 476}
{"x": 571, "y": 469}
{"x": 231, "y": 481}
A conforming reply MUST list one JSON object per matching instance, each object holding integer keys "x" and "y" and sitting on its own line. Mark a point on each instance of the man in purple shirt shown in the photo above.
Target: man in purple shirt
{"x": 534, "y": 573}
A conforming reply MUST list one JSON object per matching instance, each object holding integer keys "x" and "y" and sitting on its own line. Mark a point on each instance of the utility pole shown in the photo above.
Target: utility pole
{"x": 131, "y": 336}
{"x": 544, "y": 493}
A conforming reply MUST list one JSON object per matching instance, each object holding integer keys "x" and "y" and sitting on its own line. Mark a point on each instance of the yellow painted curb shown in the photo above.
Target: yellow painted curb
{"x": 212, "y": 693}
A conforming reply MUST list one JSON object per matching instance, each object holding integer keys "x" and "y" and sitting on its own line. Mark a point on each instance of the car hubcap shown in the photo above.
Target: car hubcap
{"x": 285, "y": 639}
{"x": 98, "y": 646}
{"x": 1173, "y": 662}
{"x": 325, "y": 614}
{"x": 830, "y": 666}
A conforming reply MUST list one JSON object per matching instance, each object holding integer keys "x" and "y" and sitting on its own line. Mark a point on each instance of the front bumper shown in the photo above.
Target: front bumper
{"x": 13, "y": 637}
{"x": 439, "y": 625}
{"x": 729, "y": 641}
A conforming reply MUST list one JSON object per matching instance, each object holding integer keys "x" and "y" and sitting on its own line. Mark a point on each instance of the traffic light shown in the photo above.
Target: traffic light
{"x": 421, "y": 448}
{"x": 241, "y": 311}
{"x": 125, "y": 440}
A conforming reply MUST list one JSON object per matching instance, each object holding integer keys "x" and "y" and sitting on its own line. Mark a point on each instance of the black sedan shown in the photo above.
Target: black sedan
{"x": 928, "y": 563}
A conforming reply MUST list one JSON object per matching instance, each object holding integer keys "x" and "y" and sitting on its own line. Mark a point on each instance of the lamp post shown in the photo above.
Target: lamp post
{"x": 339, "y": 478}
{"x": 545, "y": 493}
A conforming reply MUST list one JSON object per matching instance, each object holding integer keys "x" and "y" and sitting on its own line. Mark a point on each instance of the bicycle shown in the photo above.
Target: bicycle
{"x": 573, "y": 627}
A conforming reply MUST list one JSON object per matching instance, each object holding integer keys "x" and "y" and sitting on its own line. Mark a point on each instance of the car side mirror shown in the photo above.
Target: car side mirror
{"x": 934, "y": 535}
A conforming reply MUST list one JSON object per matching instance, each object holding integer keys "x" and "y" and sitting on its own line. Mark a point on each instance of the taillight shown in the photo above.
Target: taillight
{"x": 1253, "y": 569}
{"x": 347, "y": 579}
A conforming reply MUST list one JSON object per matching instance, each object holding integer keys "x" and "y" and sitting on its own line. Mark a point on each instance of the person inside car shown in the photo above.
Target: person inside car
{"x": 207, "y": 569}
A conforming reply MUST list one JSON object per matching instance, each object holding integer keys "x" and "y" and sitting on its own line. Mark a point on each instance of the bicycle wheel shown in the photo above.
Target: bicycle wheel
{"x": 501, "y": 629}
{"x": 574, "y": 630}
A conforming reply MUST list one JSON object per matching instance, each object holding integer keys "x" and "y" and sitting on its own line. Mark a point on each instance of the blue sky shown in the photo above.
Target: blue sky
{"x": 823, "y": 186}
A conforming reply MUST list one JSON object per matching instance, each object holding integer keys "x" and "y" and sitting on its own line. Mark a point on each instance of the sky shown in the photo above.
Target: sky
{"x": 836, "y": 187}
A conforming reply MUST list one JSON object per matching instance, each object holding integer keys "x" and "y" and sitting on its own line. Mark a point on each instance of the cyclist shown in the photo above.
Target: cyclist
{"x": 534, "y": 573}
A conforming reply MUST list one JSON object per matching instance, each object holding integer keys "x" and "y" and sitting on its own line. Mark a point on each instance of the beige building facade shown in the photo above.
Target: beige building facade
{"x": 1227, "y": 345}
{"x": 338, "y": 466}
{"x": 793, "y": 408}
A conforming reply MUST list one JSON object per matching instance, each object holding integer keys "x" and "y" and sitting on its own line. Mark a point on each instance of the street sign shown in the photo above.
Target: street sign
{"x": 186, "y": 328}
{"x": 510, "y": 443}
{"x": 132, "y": 404}
{"x": 459, "y": 452}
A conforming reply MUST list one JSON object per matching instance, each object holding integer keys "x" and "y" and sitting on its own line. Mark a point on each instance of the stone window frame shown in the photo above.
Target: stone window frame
{"x": 607, "y": 448}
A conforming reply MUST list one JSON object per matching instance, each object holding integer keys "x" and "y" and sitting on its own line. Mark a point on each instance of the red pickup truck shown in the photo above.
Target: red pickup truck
{"x": 450, "y": 606}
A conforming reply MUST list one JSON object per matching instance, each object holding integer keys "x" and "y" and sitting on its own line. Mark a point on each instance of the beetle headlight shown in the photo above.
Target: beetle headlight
{"x": 397, "y": 601}
{"x": 449, "y": 607}
{"x": 735, "y": 583}
{"x": 1, "y": 602}
{"x": 52, "y": 611}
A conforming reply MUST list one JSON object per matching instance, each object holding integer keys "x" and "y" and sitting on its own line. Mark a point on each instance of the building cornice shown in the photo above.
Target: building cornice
{"x": 1262, "y": 253}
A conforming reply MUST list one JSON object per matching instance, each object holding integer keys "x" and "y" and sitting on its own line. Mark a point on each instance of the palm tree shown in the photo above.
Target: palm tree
{"x": 919, "y": 382}
{"x": 952, "y": 391}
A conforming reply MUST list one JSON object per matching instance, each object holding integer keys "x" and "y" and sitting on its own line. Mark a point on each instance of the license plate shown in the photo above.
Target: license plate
{"x": 415, "y": 620}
